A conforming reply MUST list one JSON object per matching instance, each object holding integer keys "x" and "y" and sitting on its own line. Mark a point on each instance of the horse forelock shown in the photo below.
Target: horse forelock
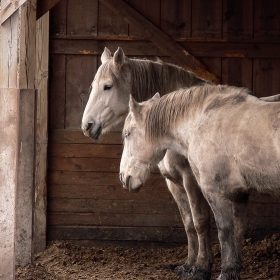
{"x": 171, "y": 108}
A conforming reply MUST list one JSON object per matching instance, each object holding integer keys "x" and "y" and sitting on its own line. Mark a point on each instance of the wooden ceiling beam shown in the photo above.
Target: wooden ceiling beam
{"x": 160, "y": 39}
{"x": 43, "y": 6}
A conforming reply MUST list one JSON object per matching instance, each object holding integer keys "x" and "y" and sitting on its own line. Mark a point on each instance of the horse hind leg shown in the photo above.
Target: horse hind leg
{"x": 230, "y": 217}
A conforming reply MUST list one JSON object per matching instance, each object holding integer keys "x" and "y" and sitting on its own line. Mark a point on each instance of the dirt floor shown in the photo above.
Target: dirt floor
{"x": 64, "y": 260}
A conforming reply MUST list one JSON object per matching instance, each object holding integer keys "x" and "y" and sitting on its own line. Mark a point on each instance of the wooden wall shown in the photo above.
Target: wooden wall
{"x": 237, "y": 40}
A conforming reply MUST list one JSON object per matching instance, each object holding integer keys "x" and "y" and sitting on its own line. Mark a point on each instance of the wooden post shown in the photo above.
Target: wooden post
{"x": 40, "y": 199}
{"x": 17, "y": 146}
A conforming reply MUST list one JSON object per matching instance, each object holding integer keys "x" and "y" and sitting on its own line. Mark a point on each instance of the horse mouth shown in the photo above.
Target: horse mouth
{"x": 97, "y": 134}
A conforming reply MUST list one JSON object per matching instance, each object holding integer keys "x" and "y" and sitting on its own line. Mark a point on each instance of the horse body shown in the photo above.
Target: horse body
{"x": 116, "y": 78}
{"x": 231, "y": 140}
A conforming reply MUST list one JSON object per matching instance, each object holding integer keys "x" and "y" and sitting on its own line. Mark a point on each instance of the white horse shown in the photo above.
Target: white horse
{"x": 232, "y": 142}
{"x": 116, "y": 78}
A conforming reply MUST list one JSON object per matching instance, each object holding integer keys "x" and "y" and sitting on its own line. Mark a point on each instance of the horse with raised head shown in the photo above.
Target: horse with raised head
{"x": 116, "y": 78}
{"x": 231, "y": 140}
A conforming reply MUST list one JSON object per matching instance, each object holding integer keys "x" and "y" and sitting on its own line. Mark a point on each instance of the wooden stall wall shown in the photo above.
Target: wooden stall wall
{"x": 239, "y": 41}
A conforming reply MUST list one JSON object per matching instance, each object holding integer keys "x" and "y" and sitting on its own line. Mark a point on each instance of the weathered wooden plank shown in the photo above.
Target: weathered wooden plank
{"x": 25, "y": 191}
{"x": 84, "y": 164}
{"x": 150, "y": 234}
{"x": 176, "y": 18}
{"x": 266, "y": 73}
{"x": 80, "y": 73}
{"x": 57, "y": 91}
{"x": 77, "y": 136}
{"x": 27, "y": 45}
{"x": 42, "y": 70}
{"x": 237, "y": 19}
{"x": 58, "y": 15}
{"x": 9, "y": 51}
{"x": 157, "y": 190}
{"x": 109, "y": 23}
{"x": 109, "y": 219}
{"x": 237, "y": 72}
{"x": 114, "y": 206}
{"x": 143, "y": 48}
{"x": 9, "y": 7}
{"x": 85, "y": 150}
{"x": 207, "y": 19}
{"x": 82, "y": 17}
{"x": 93, "y": 178}
{"x": 43, "y": 6}
{"x": 266, "y": 20}
{"x": 8, "y": 176}
{"x": 151, "y": 10}
{"x": 160, "y": 39}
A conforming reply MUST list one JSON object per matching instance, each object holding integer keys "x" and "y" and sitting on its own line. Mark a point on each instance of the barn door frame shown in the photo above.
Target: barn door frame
{"x": 24, "y": 50}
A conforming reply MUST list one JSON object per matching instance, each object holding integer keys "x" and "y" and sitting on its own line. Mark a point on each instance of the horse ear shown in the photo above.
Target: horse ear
{"x": 106, "y": 55}
{"x": 119, "y": 58}
{"x": 133, "y": 106}
{"x": 156, "y": 96}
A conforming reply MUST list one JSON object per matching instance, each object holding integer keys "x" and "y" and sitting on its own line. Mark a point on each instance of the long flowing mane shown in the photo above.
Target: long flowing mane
{"x": 167, "y": 110}
{"x": 149, "y": 77}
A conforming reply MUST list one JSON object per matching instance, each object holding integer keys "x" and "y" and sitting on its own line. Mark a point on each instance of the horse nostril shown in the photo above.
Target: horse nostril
{"x": 89, "y": 126}
{"x": 127, "y": 181}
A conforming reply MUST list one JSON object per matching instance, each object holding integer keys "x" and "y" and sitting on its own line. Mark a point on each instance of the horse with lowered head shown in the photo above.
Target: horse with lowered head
{"x": 116, "y": 78}
{"x": 231, "y": 140}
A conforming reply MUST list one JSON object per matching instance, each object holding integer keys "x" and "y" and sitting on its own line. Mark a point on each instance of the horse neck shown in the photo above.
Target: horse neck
{"x": 149, "y": 77}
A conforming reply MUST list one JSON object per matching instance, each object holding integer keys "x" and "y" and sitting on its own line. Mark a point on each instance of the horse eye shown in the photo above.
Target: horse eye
{"x": 107, "y": 87}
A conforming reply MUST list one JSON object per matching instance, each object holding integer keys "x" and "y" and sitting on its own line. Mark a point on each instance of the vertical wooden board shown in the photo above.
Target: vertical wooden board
{"x": 8, "y": 177}
{"x": 9, "y": 49}
{"x": 42, "y": 65}
{"x": 82, "y": 17}
{"x": 266, "y": 77}
{"x": 24, "y": 201}
{"x": 80, "y": 73}
{"x": 58, "y": 18}
{"x": 213, "y": 65}
{"x": 237, "y": 19}
{"x": 150, "y": 10}
{"x": 207, "y": 18}
{"x": 27, "y": 45}
{"x": 237, "y": 72}
{"x": 266, "y": 19}
{"x": 176, "y": 18}
{"x": 57, "y": 91}
{"x": 109, "y": 23}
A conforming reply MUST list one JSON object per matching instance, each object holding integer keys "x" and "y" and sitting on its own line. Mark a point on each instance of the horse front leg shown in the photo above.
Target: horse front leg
{"x": 179, "y": 194}
{"x": 201, "y": 218}
{"x": 229, "y": 231}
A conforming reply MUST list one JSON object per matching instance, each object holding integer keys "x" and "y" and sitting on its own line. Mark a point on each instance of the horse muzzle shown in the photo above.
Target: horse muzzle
{"x": 92, "y": 131}
{"x": 130, "y": 183}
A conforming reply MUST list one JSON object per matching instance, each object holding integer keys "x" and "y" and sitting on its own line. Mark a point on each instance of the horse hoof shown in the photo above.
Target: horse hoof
{"x": 196, "y": 273}
{"x": 229, "y": 274}
{"x": 182, "y": 271}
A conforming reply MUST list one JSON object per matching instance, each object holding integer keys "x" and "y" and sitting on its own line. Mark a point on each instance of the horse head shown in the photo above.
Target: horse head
{"x": 139, "y": 154}
{"x": 108, "y": 101}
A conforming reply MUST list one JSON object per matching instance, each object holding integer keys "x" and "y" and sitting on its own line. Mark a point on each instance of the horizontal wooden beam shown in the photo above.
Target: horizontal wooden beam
{"x": 150, "y": 234}
{"x": 160, "y": 39}
{"x": 95, "y": 46}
